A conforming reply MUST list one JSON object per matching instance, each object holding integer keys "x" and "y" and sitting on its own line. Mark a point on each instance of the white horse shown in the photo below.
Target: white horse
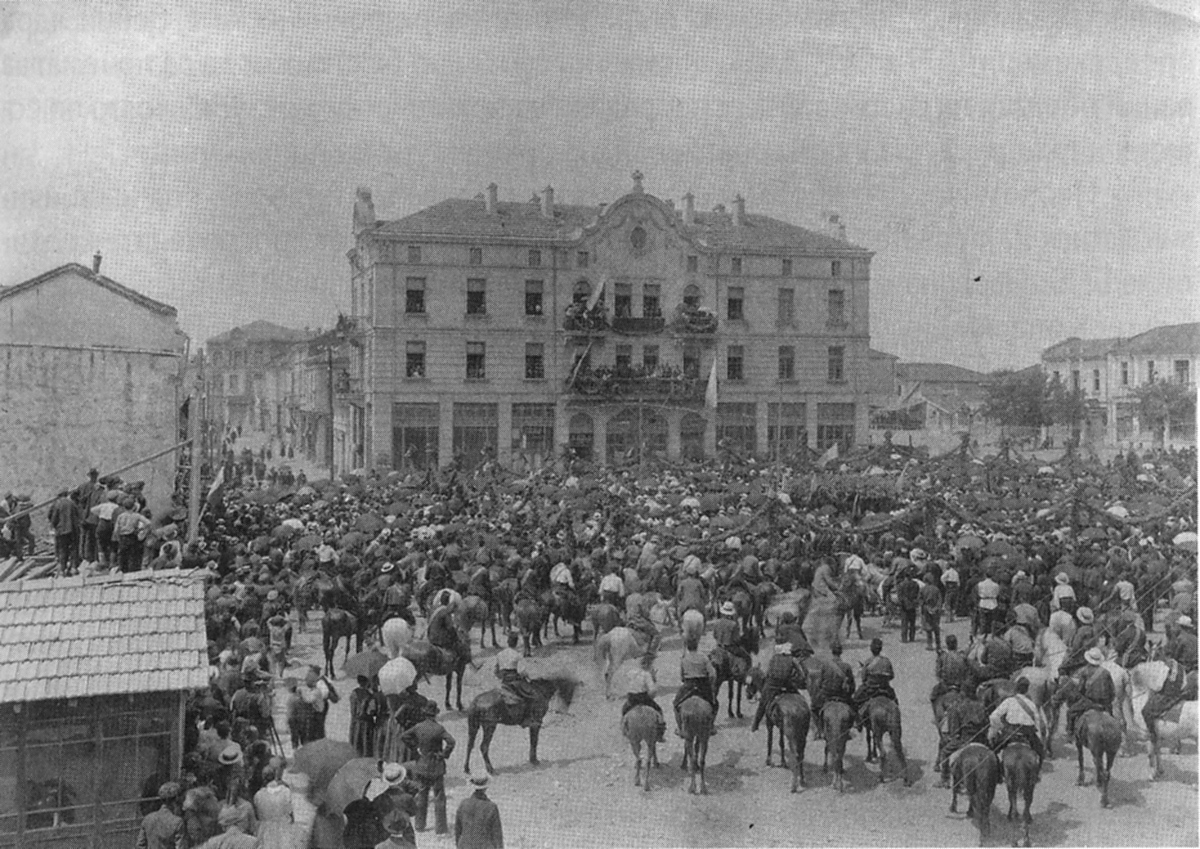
{"x": 1049, "y": 651}
{"x": 1147, "y": 678}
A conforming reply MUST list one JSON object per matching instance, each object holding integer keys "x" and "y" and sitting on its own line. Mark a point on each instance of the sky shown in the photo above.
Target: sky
{"x": 211, "y": 150}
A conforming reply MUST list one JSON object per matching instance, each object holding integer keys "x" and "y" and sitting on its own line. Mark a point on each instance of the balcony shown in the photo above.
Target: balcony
{"x": 622, "y": 384}
{"x": 693, "y": 321}
{"x": 347, "y": 388}
{"x": 579, "y": 319}
{"x": 630, "y": 325}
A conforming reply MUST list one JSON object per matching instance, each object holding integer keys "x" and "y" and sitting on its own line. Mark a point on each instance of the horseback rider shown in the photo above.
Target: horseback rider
{"x": 1084, "y": 639}
{"x": 514, "y": 685}
{"x": 639, "y": 622}
{"x": 1182, "y": 646}
{"x": 789, "y": 625}
{"x": 1128, "y": 632}
{"x": 745, "y": 575}
{"x": 727, "y": 632}
{"x": 640, "y": 688}
{"x": 836, "y": 684}
{"x": 396, "y": 597}
{"x": 442, "y": 631}
{"x": 1020, "y": 643}
{"x": 877, "y": 675}
{"x": 691, "y": 593}
{"x": 1180, "y": 683}
{"x": 1096, "y": 690}
{"x": 480, "y": 582}
{"x": 953, "y": 671}
{"x": 612, "y": 588}
{"x": 784, "y": 675}
{"x": 1018, "y": 718}
{"x": 996, "y": 659}
{"x": 697, "y": 675}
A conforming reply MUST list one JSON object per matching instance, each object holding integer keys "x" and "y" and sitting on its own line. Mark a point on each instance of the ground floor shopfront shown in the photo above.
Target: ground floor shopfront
{"x": 521, "y": 434}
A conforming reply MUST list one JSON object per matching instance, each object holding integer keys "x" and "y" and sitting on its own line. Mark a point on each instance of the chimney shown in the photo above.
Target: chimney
{"x": 489, "y": 205}
{"x": 739, "y": 211}
{"x": 548, "y": 202}
{"x": 689, "y": 209}
{"x": 96, "y": 262}
{"x": 836, "y": 229}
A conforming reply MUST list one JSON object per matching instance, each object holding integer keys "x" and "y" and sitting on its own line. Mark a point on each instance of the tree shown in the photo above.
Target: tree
{"x": 1162, "y": 403}
{"x": 1017, "y": 398}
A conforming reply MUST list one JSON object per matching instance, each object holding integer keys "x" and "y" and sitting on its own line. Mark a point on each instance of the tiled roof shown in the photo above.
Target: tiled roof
{"x": 261, "y": 331}
{"x": 1169, "y": 339}
{"x": 73, "y": 637}
{"x": 99, "y": 279}
{"x": 938, "y": 373}
{"x": 467, "y": 218}
{"x": 880, "y": 355}
{"x": 1080, "y": 349}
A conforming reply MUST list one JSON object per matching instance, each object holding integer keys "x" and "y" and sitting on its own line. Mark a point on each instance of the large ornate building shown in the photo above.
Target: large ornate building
{"x": 613, "y": 329}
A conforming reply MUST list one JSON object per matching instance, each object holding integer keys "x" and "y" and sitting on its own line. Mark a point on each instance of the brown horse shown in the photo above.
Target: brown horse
{"x": 640, "y": 726}
{"x": 472, "y": 611}
{"x": 336, "y": 624}
{"x": 954, "y": 713}
{"x": 489, "y": 710}
{"x": 695, "y": 720}
{"x": 791, "y": 713}
{"x": 883, "y": 717}
{"x": 733, "y": 667}
{"x": 1021, "y": 778}
{"x": 1101, "y": 734}
{"x": 836, "y": 718}
{"x": 604, "y": 617}
{"x": 435, "y": 660}
{"x": 529, "y": 616}
{"x": 976, "y": 773}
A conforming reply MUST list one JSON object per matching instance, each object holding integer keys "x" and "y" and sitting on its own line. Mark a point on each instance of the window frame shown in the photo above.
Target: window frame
{"x": 475, "y": 256}
{"x": 786, "y": 312}
{"x": 409, "y": 290}
{"x": 735, "y": 363}
{"x": 735, "y": 266}
{"x": 537, "y": 289}
{"x": 415, "y": 348}
{"x": 479, "y": 350}
{"x": 477, "y": 296}
{"x": 535, "y": 361}
{"x": 740, "y": 300}
{"x": 835, "y": 307}
{"x": 836, "y": 364}
{"x": 787, "y": 354}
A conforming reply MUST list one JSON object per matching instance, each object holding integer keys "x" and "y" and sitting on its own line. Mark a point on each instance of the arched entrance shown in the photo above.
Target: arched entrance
{"x": 580, "y": 436}
{"x": 636, "y": 429}
{"x": 691, "y": 436}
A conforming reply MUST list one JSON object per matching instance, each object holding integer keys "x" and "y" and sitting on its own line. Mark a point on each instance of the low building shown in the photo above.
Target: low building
{"x": 1109, "y": 372}
{"x": 92, "y": 377}
{"x": 94, "y": 673}
{"x": 939, "y": 399}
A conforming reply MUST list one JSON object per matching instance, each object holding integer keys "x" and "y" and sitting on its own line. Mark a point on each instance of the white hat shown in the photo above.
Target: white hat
{"x": 1094, "y": 656}
{"x": 1085, "y": 615}
{"x": 1184, "y": 621}
{"x": 918, "y": 554}
{"x": 727, "y": 609}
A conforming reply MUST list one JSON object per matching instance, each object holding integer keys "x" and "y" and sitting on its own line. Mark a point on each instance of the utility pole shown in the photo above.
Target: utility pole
{"x": 329, "y": 362}
{"x": 194, "y": 413}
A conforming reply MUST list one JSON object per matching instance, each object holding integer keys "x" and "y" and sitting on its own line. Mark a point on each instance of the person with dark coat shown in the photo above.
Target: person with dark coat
{"x": 433, "y": 745}
{"x": 784, "y": 675}
{"x": 163, "y": 829}
{"x": 1096, "y": 689}
{"x": 477, "y": 820}
{"x": 67, "y": 521}
{"x": 953, "y": 671}
{"x": 908, "y": 593}
{"x": 836, "y": 684}
{"x": 877, "y": 675}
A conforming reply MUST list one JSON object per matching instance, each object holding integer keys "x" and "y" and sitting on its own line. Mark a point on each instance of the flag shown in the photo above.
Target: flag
{"x": 710, "y": 394}
{"x": 596, "y": 295}
{"x": 217, "y": 489}
{"x": 831, "y": 453}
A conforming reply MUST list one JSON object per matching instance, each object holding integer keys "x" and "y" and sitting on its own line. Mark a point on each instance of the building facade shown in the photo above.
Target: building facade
{"x": 248, "y": 372}
{"x": 93, "y": 374}
{"x": 520, "y": 330}
{"x": 1108, "y": 373}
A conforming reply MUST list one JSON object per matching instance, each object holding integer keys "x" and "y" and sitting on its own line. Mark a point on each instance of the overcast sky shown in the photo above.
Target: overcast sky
{"x": 212, "y": 150}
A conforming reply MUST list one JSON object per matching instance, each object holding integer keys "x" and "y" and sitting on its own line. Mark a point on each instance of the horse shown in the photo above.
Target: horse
{"x": 614, "y": 648}
{"x": 1049, "y": 651}
{"x": 691, "y": 624}
{"x": 851, "y": 599}
{"x": 836, "y": 718}
{"x": 435, "y": 660}
{"x": 952, "y": 710}
{"x": 1122, "y": 693}
{"x": 529, "y": 616}
{"x": 1042, "y": 687}
{"x": 976, "y": 773}
{"x": 472, "y": 611}
{"x": 1145, "y": 679}
{"x": 604, "y": 617}
{"x": 791, "y": 713}
{"x": 337, "y": 623}
{"x": 1101, "y": 734}
{"x": 764, "y": 592}
{"x": 695, "y": 721}
{"x": 883, "y": 717}
{"x": 489, "y": 709}
{"x": 503, "y": 594}
{"x": 734, "y": 668}
{"x": 1020, "y": 777}
{"x": 570, "y": 608}
{"x": 640, "y": 725}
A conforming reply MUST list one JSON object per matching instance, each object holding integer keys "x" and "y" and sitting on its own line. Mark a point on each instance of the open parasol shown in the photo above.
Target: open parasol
{"x": 349, "y": 783}
{"x": 321, "y": 759}
{"x": 396, "y": 676}
{"x": 366, "y": 663}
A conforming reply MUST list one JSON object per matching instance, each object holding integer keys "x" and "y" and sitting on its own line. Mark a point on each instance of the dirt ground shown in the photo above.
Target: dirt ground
{"x": 582, "y": 794}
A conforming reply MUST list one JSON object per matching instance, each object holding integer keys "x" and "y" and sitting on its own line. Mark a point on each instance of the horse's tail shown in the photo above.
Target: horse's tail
{"x": 692, "y": 625}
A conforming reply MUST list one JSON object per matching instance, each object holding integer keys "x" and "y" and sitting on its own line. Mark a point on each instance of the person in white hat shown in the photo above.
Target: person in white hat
{"x": 477, "y": 821}
{"x": 783, "y": 675}
{"x": 691, "y": 593}
{"x": 1094, "y": 687}
{"x": 1062, "y": 591}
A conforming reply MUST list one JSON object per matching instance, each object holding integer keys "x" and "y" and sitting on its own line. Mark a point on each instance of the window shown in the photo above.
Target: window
{"x": 476, "y": 356}
{"x": 622, "y": 300}
{"x": 582, "y": 292}
{"x": 414, "y": 254}
{"x": 735, "y": 265}
{"x": 691, "y": 362}
{"x": 1124, "y": 374}
{"x": 787, "y": 362}
{"x": 787, "y": 268}
{"x": 693, "y": 264}
{"x": 691, "y": 295}
{"x": 737, "y": 427}
{"x": 535, "y": 361}
{"x": 835, "y": 424}
{"x": 414, "y": 363}
{"x": 651, "y": 307}
{"x": 650, "y": 358}
{"x": 736, "y": 303}
{"x": 1150, "y": 371}
{"x": 837, "y": 307}
{"x": 476, "y": 427}
{"x": 415, "y": 435}
{"x": 535, "y": 259}
{"x": 637, "y": 238}
{"x": 1181, "y": 371}
{"x": 837, "y": 364}
{"x": 477, "y": 296}
{"x": 476, "y": 256}
{"x": 533, "y": 430}
{"x": 581, "y": 259}
{"x": 1074, "y": 380}
{"x": 735, "y": 363}
{"x": 533, "y": 297}
{"x": 787, "y": 306}
{"x": 414, "y": 296}
{"x": 835, "y": 268}
{"x": 786, "y": 428}
{"x": 624, "y": 358}
{"x": 1095, "y": 380}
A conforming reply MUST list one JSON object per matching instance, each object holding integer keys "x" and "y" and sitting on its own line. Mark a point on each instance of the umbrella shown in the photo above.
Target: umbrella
{"x": 321, "y": 759}
{"x": 970, "y": 542}
{"x": 1090, "y": 534}
{"x": 396, "y": 676}
{"x": 253, "y": 645}
{"x": 295, "y": 524}
{"x": 259, "y": 496}
{"x": 352, "y": 539}
{"x": 284, "y": 532}
{"x": 1185, "y": 537}
{"x": 1000, "y": 548}
{"x": 307, "y": 543}
{"x": 366, "y": 663}
{"x": 349, "y": 782}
